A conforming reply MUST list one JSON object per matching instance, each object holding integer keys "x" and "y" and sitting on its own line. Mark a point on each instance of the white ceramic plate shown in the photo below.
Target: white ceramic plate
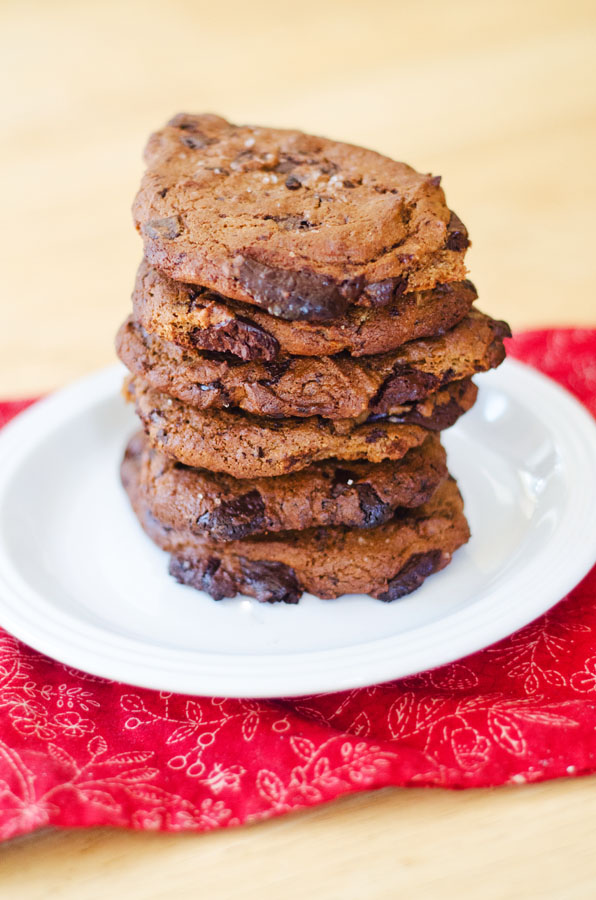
{"x": 81, "y": 582}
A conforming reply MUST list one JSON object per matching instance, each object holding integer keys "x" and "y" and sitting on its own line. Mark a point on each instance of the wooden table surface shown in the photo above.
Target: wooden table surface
{"x": 500, "y": 99}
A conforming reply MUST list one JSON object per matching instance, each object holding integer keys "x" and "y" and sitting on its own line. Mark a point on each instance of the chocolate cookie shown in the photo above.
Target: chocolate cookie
{"x": 197, "y": 318}
{"x": 387, "y": 561}
{"x": 358, "y": 494}
{"x": 299, "y": 225}
{"x": 247, "y": 446}
{"x": 335, "y": 387}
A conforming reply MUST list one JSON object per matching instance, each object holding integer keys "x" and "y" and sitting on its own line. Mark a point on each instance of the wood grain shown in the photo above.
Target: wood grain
{"x": 497, "y": 98}
{"x": 421, "y": 844}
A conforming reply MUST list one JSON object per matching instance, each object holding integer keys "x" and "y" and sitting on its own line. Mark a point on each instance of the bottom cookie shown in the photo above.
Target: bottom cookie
{"x": 387, "y": 562}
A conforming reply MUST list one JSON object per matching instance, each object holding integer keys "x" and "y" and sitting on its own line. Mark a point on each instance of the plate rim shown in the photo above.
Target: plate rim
{"x": 199, "y": 673}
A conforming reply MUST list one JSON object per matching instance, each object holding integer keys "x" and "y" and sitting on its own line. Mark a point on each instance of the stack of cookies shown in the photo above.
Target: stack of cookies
{"x": 302, "y": 331}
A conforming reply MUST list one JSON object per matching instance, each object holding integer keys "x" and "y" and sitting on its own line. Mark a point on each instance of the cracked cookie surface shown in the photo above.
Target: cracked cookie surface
{"x": 248, "y": 446}
{"x": 357, "y": 494}
{"x": 337, "y": 387}
{"x": 299, "y": 225}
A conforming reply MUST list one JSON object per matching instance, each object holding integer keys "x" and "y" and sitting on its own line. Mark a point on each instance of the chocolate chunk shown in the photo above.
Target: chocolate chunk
{"x": 328, "y": 167}
{"x": 169, "y": 228}
{"x": 412, "y": 574}
{"x": 443, "y": 417}
{"x": 374, "y": 511}
{"x": 294, "y": 295}
{"x": 501, "y": 330}
{"x": 293, "y": 183}
{"x": 405, "y": 385}
{"x": 234, "y": 519}
{"x": 204, "y": 575}
{"x": 276, "y": 369}
{"x": 382, "y": 293}
{"x": 239, "y": 336}
{"x": 375, "y": 436}
{"x": 270, "y": 582}
{"x": 457, "y": 234}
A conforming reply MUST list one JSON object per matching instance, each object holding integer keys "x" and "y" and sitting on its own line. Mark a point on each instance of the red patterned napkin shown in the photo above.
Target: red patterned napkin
{"x": 77, "y": 750}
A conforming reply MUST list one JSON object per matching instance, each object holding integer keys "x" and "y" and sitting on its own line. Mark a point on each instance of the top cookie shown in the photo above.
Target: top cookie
{"x": 299, "y": 225}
